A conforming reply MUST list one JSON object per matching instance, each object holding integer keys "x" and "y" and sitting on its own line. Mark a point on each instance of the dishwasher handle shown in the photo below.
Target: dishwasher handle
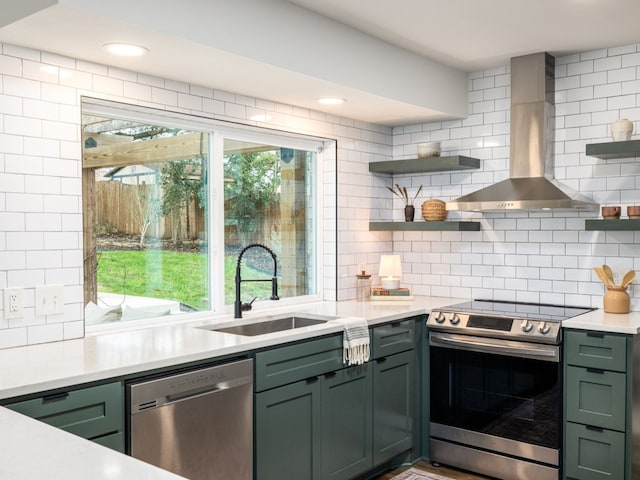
{"x": 174, "y": 388}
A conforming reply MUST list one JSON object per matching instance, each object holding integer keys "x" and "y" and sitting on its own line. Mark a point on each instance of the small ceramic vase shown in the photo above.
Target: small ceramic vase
{"x": 616, "y": 300}
{"x": 409, "y": 213}
{"x": 621, "y": 130}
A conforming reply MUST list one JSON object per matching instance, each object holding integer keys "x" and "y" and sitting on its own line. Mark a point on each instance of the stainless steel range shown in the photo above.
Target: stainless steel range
{"x": 496, "y": 387}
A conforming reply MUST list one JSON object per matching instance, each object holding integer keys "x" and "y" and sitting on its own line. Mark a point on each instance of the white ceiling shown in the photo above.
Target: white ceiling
{"x": 477, "y": 34}
{"x": 396, "y": 62}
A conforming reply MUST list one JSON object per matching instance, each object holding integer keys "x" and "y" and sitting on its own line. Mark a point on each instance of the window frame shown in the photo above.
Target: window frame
{"x": 218, "y": 131}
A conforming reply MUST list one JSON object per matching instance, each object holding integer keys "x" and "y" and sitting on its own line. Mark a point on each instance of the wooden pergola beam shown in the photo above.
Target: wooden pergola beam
{"x": 157, "y": 150}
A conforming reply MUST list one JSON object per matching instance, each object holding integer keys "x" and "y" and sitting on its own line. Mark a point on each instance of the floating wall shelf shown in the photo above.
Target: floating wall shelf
{"x": 424, "y": 226}
{"x": 611, "y": 225}
{"x": 628, "y": 148}
{"x": 425, "y": 165}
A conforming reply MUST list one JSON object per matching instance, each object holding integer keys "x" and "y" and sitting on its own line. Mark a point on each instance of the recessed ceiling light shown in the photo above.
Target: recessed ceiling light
{"x": 331, "y": 101}
{"x": 125, "y": 49}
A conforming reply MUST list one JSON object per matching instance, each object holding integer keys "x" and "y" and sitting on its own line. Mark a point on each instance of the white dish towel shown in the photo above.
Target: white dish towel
{"x": 356, "y": 341}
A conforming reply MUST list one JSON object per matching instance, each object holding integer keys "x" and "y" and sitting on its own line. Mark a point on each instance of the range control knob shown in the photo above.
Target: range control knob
{"x": 526, "y": 326}
{"x": 455, "y": 319}
{"x": 544, "y": 328}
{"x": 440, "y": 318}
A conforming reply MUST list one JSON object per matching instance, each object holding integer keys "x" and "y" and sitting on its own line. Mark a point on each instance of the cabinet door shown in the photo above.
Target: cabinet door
{"x": 288, "y": 432}
{"x": 394, "y": 405}
{"x": 346, "y": 423}
{"x": 594, "y": 453}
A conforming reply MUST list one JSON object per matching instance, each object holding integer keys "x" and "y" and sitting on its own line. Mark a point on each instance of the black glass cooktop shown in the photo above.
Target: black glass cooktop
{"x": 532, "y": 311}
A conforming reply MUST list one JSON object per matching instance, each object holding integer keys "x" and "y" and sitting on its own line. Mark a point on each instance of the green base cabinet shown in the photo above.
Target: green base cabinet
{"x": 335, "y": 424}
{"x": 95, "y": 413}
{"x": 594, "y": 453}
{"x": 318, "y": 428}
{"x": 287, "y": 432}
{"x": 601, "y": 377}
{"x": 346, "y": 423}
{"x": 394, "y": 406}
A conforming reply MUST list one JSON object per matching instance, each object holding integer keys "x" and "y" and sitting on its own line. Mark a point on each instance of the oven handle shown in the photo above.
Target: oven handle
{"x": 549, "y": 353}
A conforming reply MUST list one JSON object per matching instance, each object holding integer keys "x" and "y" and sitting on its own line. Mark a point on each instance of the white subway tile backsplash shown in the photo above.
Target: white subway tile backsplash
{"x": 580, "y": 68}
{"x": 593, "y": 89}
{"x": 45, "y": 333}
{"x": 622, "y": 101}
{"x": 621, "y": 75}
{"x": 607, "y": 63}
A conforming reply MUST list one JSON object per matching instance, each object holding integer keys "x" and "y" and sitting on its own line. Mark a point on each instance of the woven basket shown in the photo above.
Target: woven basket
{"x": 434, "y": 210}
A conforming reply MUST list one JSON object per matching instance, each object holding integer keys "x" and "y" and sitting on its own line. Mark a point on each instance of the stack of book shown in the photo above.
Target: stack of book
{"x": 386, "y": 294}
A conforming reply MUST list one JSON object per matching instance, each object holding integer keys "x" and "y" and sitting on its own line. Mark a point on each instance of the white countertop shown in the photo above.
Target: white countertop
{"x": 38, "y": 368}
{"x": 628, "y": 323}
{"x": 30, "y": 449}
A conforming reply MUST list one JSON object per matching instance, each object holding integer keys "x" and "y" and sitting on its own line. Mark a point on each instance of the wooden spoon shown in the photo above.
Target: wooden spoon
{"x": 609, "y": 273}
{"x": 601, "y": 275}
{"x": 628, "y": 278}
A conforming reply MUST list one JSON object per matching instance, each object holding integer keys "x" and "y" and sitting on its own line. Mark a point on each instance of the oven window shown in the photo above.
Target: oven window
{"x": 508, "y": 397}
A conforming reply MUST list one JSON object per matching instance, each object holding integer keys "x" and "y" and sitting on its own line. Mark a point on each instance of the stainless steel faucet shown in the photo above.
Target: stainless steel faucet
{"x": 240, "y": 307}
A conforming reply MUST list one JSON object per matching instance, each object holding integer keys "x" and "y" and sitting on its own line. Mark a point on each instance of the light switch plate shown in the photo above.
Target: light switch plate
{"x": 49, "y": 299}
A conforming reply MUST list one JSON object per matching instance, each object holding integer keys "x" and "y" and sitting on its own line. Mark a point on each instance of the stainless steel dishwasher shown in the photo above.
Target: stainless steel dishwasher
{"x": 198, "y": 423}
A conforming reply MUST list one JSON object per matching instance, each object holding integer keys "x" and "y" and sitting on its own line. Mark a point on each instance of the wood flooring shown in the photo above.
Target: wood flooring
{"x": 444, "y": 471}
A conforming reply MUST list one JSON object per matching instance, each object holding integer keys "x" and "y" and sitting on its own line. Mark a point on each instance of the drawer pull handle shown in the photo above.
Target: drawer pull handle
{"x": 594, "y": 429}
{"x": 595, "y": 370}
{"x": 595, "y": 334}
{"x": 330, "y": 375}
{"x": 396, "y": 324}
{"x": 312, "y": 379}
{"x": 381, "y": 359}
{"x": 55, "y": 396}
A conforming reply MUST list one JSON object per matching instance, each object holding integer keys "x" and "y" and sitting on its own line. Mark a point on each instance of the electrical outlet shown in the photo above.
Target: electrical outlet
{"x": 49, "y": 299}
{"x": 13, "y": 303}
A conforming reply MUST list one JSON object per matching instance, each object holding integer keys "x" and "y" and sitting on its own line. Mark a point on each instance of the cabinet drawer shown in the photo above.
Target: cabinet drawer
{"x": 89, "y": 412}
{"x": 597, "y": 350}
{"x": 393, "y": 338}
{"x": 596, "y": 397}
{"x": 284, "y": 365}
{"x": 593, "y": 454}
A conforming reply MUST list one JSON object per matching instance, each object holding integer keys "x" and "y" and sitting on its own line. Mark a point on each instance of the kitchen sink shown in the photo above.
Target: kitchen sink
{"x": 263, "y": 326}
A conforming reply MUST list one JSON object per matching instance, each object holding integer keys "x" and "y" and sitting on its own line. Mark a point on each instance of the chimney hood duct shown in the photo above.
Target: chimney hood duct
{"x": 530, "y": 185}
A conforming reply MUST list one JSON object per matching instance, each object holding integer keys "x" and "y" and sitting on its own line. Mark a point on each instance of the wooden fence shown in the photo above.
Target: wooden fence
{"x": 117, "y": 210}
{"x": 117, "y": 206}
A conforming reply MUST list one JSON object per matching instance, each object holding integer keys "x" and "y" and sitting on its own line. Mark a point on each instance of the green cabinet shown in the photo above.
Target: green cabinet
{"x": 95, "y": 413}
{"x": 394, "y": 405}
{"x": 599, "y": 383}
{"x": 346, "y": 423}
{"x": 594, "y": 453}
{"x": 317, "y": 419}
{"x": 287, "y": 431}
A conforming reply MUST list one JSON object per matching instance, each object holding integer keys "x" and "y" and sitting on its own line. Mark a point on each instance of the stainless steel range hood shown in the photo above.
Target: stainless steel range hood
{"x": 530, "y": 185}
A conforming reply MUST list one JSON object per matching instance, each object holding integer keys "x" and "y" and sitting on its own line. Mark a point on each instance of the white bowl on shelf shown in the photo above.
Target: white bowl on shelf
{"x": 430, "y": 149}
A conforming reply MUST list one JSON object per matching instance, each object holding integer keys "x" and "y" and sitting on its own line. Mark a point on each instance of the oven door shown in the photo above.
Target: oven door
{"x": 496, "y": 395}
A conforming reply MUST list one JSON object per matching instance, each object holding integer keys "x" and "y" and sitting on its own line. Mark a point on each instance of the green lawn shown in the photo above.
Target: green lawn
{"x": 171, "y": 275}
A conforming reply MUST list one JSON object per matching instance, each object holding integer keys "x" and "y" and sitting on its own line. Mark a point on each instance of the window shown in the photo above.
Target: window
{"x": 170, "y": 201}
{"x": 268, "y": 195}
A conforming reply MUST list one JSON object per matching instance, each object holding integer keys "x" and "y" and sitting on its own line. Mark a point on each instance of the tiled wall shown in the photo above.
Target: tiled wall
{"x": 40, "y": 179}
{"x": 526, "y": 256}
{"x": 522, "y": 256}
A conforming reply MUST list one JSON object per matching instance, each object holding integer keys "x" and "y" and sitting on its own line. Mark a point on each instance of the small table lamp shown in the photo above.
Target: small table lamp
{"x": 390, "y": 271}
